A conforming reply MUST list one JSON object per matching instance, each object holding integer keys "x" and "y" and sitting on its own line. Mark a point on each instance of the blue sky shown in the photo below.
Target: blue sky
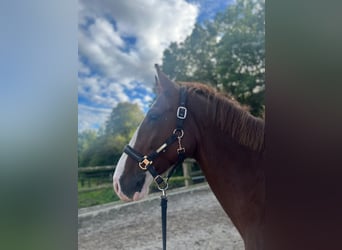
{"x": 120, "y": 41}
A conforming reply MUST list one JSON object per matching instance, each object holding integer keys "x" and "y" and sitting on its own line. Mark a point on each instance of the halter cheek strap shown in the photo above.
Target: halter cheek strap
{"x": 145, "y": 162}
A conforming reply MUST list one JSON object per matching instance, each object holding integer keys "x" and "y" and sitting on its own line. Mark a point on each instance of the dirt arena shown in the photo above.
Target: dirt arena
{"x": 195, "y": 221}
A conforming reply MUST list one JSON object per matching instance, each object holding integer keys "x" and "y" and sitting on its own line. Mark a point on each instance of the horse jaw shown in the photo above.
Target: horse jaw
{"x": 145, "y": 189}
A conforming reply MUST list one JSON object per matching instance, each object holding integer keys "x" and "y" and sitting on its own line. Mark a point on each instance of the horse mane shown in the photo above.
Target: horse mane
{"x": 230, "y": 116}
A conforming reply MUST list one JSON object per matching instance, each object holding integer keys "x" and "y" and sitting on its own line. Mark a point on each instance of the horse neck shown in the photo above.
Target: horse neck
{"x": 234, "y": 172}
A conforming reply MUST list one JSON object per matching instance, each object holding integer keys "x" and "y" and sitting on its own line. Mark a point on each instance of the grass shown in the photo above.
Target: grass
{"x": 96, "y": 197}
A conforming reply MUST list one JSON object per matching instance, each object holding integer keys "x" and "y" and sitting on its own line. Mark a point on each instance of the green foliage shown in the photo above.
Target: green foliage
{"x": 85, "y": 140}
{"x": 124, "y": 119}
{"x": 96, "y": 197}
{"x": 105, "y": 148}
{"x": 227, "y": 53}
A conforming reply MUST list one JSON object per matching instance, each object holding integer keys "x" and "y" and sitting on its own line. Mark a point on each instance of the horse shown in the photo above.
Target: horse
{"x": 226, "y": 141}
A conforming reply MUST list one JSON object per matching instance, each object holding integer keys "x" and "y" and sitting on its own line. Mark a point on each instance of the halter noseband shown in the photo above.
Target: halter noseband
{"x": 145, "y": 161}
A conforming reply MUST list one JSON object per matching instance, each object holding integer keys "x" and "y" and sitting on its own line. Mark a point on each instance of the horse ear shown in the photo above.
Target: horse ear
{"x": 163, "y": 82}
{"x": 157, "y": 87}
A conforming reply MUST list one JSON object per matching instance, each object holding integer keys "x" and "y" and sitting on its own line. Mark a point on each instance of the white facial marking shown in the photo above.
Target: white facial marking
{"x": 120, "y": 169}
{"x": 120, "y": 166}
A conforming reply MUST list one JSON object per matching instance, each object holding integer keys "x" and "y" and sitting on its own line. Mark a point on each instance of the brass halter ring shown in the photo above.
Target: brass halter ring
{"x": 162, "y": 186}
{"x": 176, "y": 131}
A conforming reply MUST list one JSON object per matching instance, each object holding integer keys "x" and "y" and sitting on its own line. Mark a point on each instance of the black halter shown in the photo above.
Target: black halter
{"x": 145, "y": 161}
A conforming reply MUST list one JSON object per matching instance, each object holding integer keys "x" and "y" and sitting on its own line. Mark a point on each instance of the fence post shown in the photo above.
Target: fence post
{"x": 186, "y": 171}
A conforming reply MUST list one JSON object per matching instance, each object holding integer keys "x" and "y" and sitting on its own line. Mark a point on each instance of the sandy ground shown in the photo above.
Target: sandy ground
{"x": 195, "y": 221}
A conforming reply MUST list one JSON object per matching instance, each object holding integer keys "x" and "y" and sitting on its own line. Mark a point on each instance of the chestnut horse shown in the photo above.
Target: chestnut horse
{"x": 226, "y": 141}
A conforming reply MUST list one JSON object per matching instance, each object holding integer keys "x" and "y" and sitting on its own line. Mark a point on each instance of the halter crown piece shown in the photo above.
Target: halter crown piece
{"x": 145, "y": 161}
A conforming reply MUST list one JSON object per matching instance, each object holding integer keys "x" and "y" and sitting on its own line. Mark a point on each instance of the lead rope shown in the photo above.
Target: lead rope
{"x": 163, "y": 197}
{"x": 163, "y": 204}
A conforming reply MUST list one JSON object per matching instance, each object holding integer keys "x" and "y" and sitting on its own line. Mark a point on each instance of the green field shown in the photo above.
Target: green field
{"x": 96, "y": 197}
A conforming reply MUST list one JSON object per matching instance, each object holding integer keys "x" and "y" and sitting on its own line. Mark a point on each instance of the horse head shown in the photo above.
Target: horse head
{"x": 159, "y": 137}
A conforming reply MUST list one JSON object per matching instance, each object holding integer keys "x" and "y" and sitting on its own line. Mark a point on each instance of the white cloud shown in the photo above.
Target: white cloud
{"x": 153, "y": 23}
{"x": 147, "y": 98}
{"x": 101, "y": 91}
{"x": 91, "y": 118}
{"x": 82, "y": 68}
{"x": 103, "y": 28}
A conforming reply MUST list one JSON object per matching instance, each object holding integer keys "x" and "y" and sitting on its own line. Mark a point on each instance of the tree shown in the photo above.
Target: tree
{"x": 108, "y": 145}
{"x": 124, "y": 119}
{"x": 241, "y": 53}
{"x": 191, "y": 60}
{"x": 84, "y": 141}
{"x": 227, "y": 53}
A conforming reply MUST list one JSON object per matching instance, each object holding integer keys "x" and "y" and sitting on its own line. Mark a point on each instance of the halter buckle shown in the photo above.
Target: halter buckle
{"x": 144, "y": 163}
{"x": 181, "y": 112}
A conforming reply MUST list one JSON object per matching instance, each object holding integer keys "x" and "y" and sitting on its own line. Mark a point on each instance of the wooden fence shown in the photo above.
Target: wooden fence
{"x": 93, "y": 178}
